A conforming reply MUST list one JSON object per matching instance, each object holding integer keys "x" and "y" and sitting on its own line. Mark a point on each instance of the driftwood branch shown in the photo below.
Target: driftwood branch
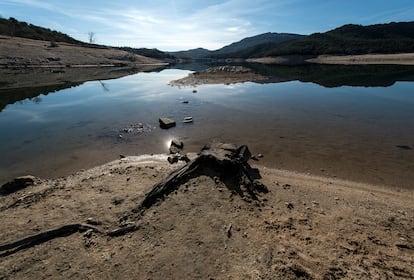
{"x": 62, "y": 231}
{"x": 45, "y": 236}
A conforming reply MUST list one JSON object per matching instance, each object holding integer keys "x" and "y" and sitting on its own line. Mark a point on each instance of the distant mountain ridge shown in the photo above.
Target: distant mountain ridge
{"x": 267, "y": 38}
{"x": 198, "y": 53}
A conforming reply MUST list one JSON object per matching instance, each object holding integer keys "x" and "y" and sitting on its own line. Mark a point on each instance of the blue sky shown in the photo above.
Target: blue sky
{"x": 184, "y": 24}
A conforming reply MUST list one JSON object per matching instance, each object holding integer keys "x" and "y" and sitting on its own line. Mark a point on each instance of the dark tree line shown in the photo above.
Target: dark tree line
{"x": 15, "y": 28}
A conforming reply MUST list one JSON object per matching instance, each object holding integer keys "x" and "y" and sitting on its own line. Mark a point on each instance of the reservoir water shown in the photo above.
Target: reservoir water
{"x": 353, "y": 123}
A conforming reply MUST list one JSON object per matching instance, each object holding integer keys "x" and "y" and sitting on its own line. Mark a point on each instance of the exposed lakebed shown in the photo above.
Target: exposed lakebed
{"x": 351, "y": 122}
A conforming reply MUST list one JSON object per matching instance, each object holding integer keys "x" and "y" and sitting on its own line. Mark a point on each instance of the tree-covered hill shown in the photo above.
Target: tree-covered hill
{"x": 353, "y": 39}
{"x": 153, "y": 53}
{"x": 15, "y": 28}
{"x": 346, "y": 40}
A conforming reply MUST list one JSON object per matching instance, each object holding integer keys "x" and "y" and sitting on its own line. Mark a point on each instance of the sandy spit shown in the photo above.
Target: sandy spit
{"x": 401, "y": 59}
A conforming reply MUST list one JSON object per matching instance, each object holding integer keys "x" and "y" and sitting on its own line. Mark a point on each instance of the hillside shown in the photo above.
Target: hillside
{"x": 198, "y": 53}
{"x": 14, "y": 28}
{"x": 21, "y": 52}
{"x": 349, "y": 40}
{"x": 266, "y": 39}
{"x": 153, "y": 53}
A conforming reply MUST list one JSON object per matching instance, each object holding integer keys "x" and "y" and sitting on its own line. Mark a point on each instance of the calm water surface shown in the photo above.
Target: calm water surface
{"x": 358, "y": 133}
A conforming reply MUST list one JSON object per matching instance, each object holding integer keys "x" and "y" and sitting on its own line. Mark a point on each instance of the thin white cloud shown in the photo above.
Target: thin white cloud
{"x": 184, "y": 24}
{"x": 167, "y": 25}
{"x": 32, "y": 3}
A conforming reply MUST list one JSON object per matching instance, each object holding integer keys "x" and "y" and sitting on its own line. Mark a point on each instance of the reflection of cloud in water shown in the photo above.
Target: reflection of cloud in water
{"x": 32, "y": 116}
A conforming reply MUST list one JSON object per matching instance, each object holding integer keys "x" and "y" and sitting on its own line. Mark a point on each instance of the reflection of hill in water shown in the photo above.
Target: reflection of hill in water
{"x": 20, "y": 84}
{"x": 11, "y": 96}
{"x": 338, "y": 75}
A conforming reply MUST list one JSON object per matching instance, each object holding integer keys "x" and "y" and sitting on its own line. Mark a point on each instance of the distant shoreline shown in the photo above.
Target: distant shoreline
{"x": 363, "y": 59}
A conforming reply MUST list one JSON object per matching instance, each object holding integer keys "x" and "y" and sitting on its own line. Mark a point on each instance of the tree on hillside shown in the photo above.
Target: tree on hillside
{"x": 91, "y": 37}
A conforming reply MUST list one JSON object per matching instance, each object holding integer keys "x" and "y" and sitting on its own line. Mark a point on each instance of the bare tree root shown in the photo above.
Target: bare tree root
{"x": 62, "y": 231}
{"x": 44, "y": 236}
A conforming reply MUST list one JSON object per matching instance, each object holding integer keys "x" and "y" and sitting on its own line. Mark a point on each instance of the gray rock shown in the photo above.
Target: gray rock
{"x": 172, "y": 159}
{"x": 176, "y": 146}
{"x": 177, "y": 143}
{"x": 17, "y": 184}
{"x": 166, "y": 123}
{"x": 174, "y": 150}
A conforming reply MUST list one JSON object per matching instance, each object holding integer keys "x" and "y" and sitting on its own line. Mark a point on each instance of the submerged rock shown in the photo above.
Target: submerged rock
{"x": 188, "y": 120}
{"x": 137, "y": 128}
{"x": 166, "y": 123}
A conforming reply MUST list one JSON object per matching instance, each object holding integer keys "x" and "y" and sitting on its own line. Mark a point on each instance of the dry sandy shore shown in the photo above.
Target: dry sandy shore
{"x": 401, "y": 59}
{"x": 306, "y": 227}
{"x": 396, "y": 59}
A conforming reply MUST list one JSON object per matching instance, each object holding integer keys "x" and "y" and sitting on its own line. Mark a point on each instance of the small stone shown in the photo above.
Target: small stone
{"x": 172, "y": 159}
{"x": 289, "y": 205}
{"x": 188, "y": 120}
{"x": 228, "y": 230}
{"x": 177, "y": 143}
{"x": 88, "y": 233}
{"x": 216, "y": 179}
{"x": 176, "y": 146}
{"x": 174, "y": 150}
{"x": 17, "y": 184}
{"x": 184, "y": 158}
{"x": 194, "y": 91}
{"x": 166, "y": 123}
{"x": 92, "y": 221}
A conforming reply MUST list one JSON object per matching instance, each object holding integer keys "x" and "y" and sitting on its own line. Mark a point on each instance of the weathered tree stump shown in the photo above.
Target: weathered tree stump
{"x": 228, "y": 160}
